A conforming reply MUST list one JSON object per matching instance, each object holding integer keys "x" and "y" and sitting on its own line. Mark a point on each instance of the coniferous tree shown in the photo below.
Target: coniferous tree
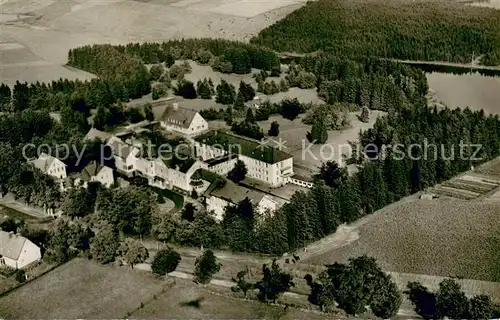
{"x": 226, "y": 93}
{"x": 206, "y": 266}
{"x": 274, "y": 130}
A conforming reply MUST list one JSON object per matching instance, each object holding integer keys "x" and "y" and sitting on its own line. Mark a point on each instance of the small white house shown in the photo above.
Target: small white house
{"x": 184, "y": 121}
{"x": 16, "y": 251}
{"x": 95, "y": 172}
{"x": 50, "y": 165}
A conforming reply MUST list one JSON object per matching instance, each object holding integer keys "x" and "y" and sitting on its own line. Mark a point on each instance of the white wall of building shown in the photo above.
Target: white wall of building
{"x": 57, "y": 169}
{"x": 105, "y": 177}
{"x": 197, "y": 126}
{"x": 29, "y": 254}
{"x": 217, "y": 205}
{"x": 224, "y": 167}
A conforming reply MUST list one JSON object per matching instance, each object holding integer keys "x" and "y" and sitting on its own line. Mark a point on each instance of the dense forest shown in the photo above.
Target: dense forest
{"x": 415, "y": 30}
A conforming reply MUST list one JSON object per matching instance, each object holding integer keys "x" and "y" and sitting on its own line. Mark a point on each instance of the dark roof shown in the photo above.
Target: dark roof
{"x": 91, "y": 170}
{"x": 234, "y": 193}
{"x": 221, "y": 159}
{"x": 179, "y": 116}
{"x": 248, "y": 147}
{"x": 182, "y": 165}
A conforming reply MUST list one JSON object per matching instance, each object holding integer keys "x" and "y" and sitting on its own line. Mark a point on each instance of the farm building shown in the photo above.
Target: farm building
{"x": 16, "y": 251}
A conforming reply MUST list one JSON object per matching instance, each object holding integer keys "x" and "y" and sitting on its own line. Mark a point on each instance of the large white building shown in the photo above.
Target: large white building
{"x": 184, "y": 121}
{"x": 231, "y": 194}
{"x": 263, "y": 162}
{"x": 16, "y": 251}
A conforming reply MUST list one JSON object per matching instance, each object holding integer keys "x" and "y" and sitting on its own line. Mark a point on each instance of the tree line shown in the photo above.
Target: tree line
{"x": 418, "y": 30}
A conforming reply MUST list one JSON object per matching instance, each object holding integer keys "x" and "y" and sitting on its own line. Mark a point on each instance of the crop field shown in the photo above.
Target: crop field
{"x": 81, "y": 289}
{"x": 36, "y": 35}
{"x": 434, "y": 237}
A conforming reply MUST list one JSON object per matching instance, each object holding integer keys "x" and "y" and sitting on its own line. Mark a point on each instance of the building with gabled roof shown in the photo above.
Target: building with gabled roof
{"x": 50, "y": 165}
{"x": 125, "y": 155}
{"x": 230, "y": 194}
{"x": 16, "y": 251}
{"x": 182, "y": 120}
{"x": 95, "y": 134}
{"x": 95, "y": 172}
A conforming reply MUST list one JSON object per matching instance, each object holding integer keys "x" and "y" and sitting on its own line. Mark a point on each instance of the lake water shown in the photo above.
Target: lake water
{"x": 487, "y": 3}
{"x": 473, "y": 90}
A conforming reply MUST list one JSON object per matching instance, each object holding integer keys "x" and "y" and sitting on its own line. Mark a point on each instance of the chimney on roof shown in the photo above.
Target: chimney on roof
{"x": 175, "y": 106}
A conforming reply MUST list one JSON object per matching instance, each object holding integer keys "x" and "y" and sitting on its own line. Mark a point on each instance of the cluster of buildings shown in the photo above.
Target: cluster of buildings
{"x": 204, "y": 155}
{"x": 181, "y": 168}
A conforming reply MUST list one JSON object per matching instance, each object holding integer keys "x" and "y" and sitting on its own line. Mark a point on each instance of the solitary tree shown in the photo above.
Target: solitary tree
{"x": 226, "y": 93}
{"x": 386, "y": 298}
{"x": 165, "y": 261}
{"x": 238, "y": 173}
{"x": 133, "y": 252}
{"x": 186, "y": 89}
{"x": 365, "y": 114}
{"x": 241, "y": 283}
{"x": 148, "y": 112}
{"x": 319, "y": 133}
{"x": 205, "y": 89}
{"x": 247, "y": 91}
{"x": 290, "y": 108}
{"x": 205, "y": 267}
{"x": 274, "y": 130}
{"x": 250, "y": 117}
{"x": 274, "y": 282}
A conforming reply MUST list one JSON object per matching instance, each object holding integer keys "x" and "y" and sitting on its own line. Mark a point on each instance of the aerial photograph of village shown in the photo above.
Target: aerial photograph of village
{"x": 250, "y": 159}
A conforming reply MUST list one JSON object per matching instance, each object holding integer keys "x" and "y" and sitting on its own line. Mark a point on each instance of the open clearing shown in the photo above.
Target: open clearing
{"x": 293, "y": 135}
{"x": 37, "y": 34}
{"x": 434, "y": 237}
{"x": 175, "y": 304}
{"x": 81, "y": 289}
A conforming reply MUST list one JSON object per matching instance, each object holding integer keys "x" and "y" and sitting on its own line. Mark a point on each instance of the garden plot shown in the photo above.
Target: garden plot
{"x": 467, "y": 187}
